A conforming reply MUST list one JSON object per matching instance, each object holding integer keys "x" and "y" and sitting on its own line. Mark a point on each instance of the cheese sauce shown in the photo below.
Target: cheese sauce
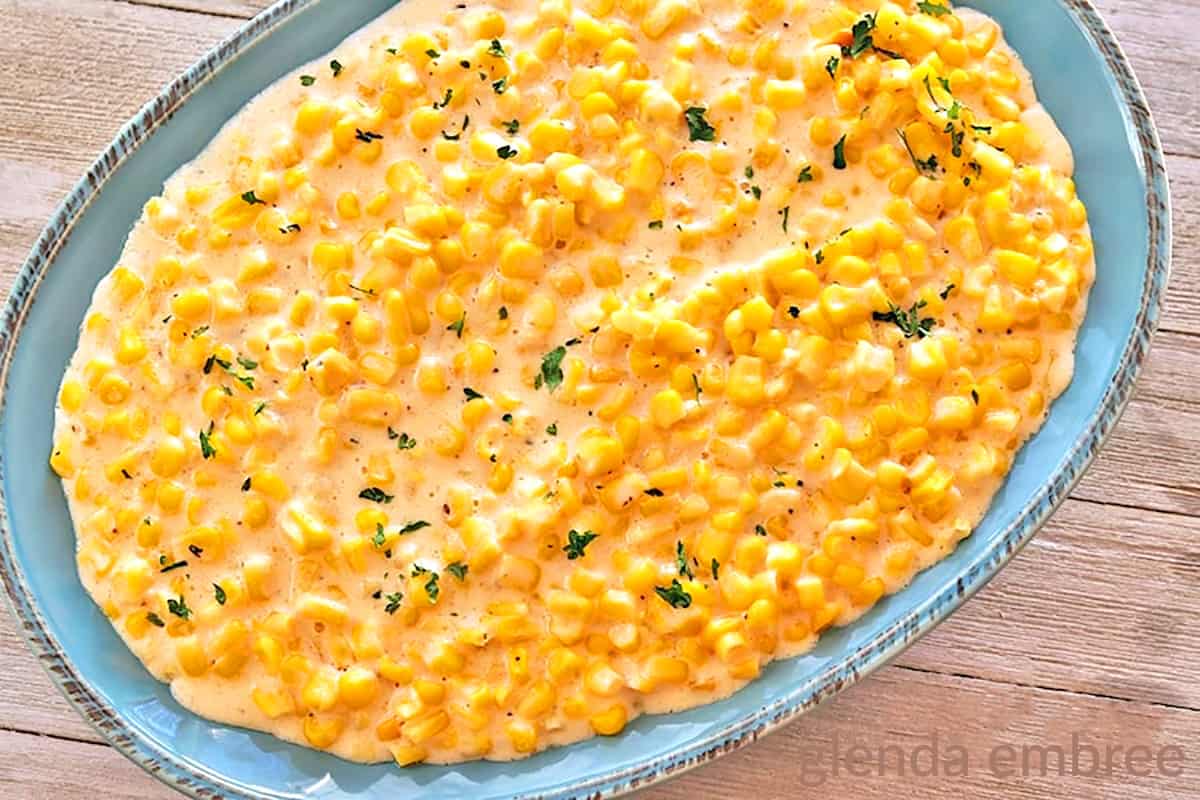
{"x": 518, "y": 369}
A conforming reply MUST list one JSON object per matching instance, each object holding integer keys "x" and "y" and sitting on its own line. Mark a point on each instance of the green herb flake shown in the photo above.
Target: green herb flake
{"x": 155, "y": 619}
{"x": 932, "y": 9}
{"x": 431, "y": 587}
{"x": 394, "y": 599}
{"x": 503, "y": 312}
{"x": 375, "y": 495}
{"x": 380, "y": 537}
{"x": 910, "y": 322}
{"x": 445, "y": 101}
{"x": 655, "y": 224}
{"x": 681, "y": 561}
{"x": 219, "y": 593}
{"x": 577, "y": 542}
{"x": 307, "y": 80}
{"x": 839, "y": 153}
{"x": 506, "y": 152}
{"x": 551, "y": 374}
{"x": 206, "y": 448}
{"x": 471, "y": 394}
{"x": 457, "y": 325}
{"x": 179, "y": 607}
{"x": 512, "y": 126}
{"x": 715, "y": 566}
{"x": 336, "y": 67}
{"x": 861, "y": 37}
{"x": 806, "y": 175}
{"x": 250, "y": 198}
{"x": 831, "y": 66}
{"x": 458, "y": 570}
{"x": 760, "y": 530}
{"x": 698, "y": 128}
{"x": 499, "y": 86}
{"x": 945, "y": 293}
{"x": 367, "y": 136}
{"x": 433, "y": 53}
{"x": 785, "y": 212}
{"x": 496, "y": 49}
{"x": 552, "y": 429}
{"x": 410, "y": 527}
{"x": 674, "y": 595}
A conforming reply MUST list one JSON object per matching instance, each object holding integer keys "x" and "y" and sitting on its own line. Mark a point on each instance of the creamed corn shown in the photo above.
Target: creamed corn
{"x": 522, "y": 367}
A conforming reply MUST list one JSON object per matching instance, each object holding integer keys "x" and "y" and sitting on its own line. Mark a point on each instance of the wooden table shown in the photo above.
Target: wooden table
{"x": 1089, "y": 636}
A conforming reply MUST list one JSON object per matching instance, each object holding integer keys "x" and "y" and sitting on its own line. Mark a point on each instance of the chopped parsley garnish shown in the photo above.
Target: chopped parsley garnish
{"x": 393, "y": 602}
{"x": 757, "y": 192}
{"x": 206, "y": 448}
{"x": 698, "y": 128}
{"x": 380, "y": 537}
{"x": 219, "y": 593}
{"x": 413, "y": 526}
{"x": 247, "y": 363}
{"x": 681, "y": 561}
{"x": 403, "y": 440}
{"x": 496, "y": 49}
{"x": 471, "y": 394}
{"x": 831, "y": 66}
{"x": 655, "y": 224}
{"x": 176, "y": 565}
{"x": 674, "y": 595}
{"x": 577, "y": 542}
{"x": 552, "y": 429}
{"x": 250, "y": 198}
{"x": 154, "y": 619}
{"x": 431, "y": 587}
{"x": 336, "y": 67}
{"x": 366, "y": 136}
{"x": 458, "y": 570}
{"x": 307, "y": 80}
{"x": 178, "y": 607}
{"x": 932, "y": 9}
{"x": 375, "y": 495}
{"x": 457, "y": 325}
{"x": 506, "y": 152}
{"x": 551, "y": 374}
{"x": 839, "y": 153}
{"x": 512, "y": 126}
{"x": 910, "y": 322}
{"x": 926, "y": 167}
{"x": 862, "y": 39}
{"x": 748, "y": 172}
{"x": 806, "y": 175}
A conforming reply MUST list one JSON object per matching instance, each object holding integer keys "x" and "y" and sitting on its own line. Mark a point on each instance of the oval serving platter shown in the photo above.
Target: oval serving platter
{"x": 1120, "y": 175}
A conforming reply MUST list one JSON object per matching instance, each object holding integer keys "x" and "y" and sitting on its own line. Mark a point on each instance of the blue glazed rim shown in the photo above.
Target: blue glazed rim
{"x": 189, "y": 778}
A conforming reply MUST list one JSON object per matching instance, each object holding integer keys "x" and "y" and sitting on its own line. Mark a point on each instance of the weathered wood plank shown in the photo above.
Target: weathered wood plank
{"x": 979, "y": 717}
{"x": 43, "y": 768}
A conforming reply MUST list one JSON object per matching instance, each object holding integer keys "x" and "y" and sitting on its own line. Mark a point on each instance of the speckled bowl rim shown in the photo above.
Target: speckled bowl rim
{"x": 188, "y": 778}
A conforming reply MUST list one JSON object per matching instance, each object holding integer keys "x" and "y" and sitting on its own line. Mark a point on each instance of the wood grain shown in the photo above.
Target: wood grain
{"x": 1090, "y": 629}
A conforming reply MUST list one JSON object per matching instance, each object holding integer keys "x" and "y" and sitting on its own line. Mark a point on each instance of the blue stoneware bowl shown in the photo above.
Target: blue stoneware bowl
{"x": 1081, "y": 77}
